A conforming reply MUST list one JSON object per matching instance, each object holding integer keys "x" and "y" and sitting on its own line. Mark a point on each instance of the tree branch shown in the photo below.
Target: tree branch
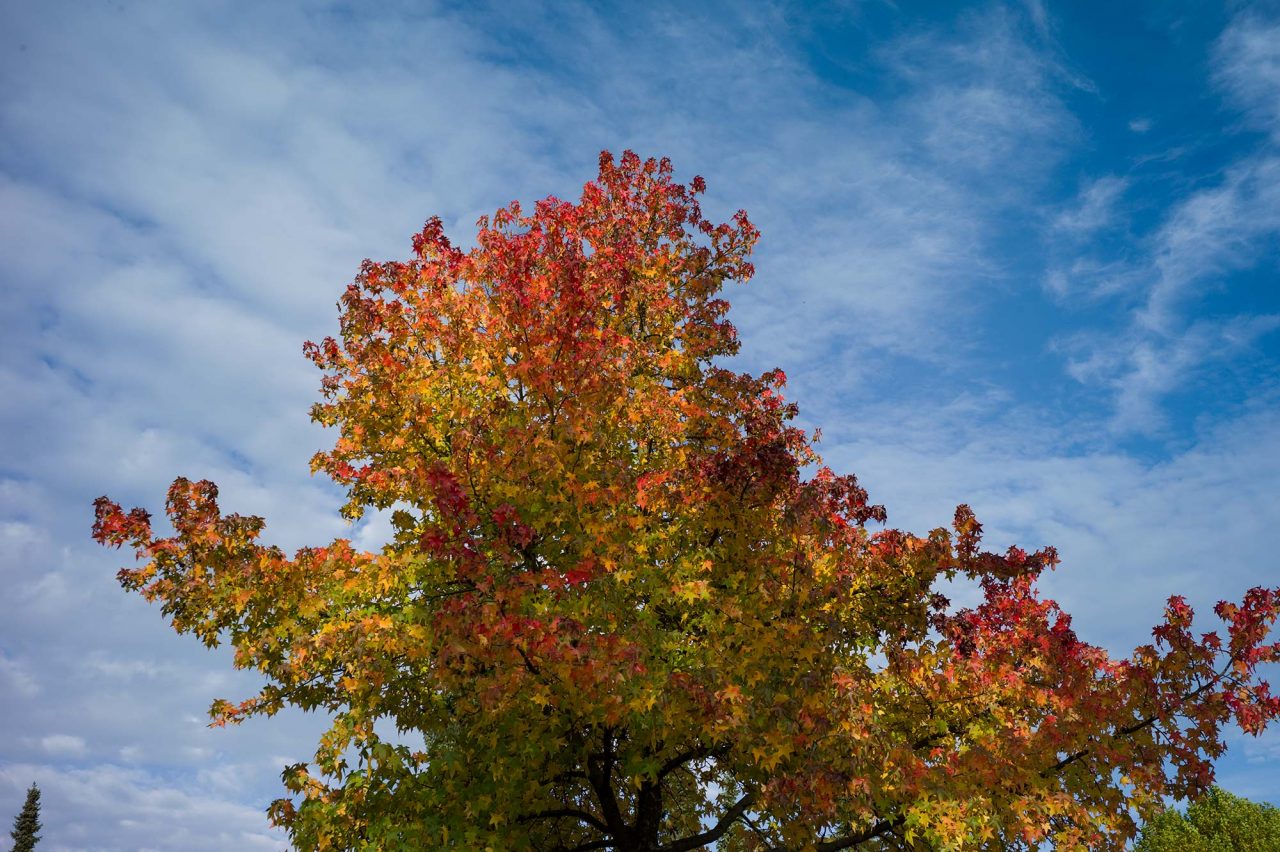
{"x": 695, "y": 753}
{"x": 879, "y": 829}
{"x": 555, "y": 813}
{"x": 711, "y": 835}
{"x": 591, "y": 844}
{"x": 1084, "y": 752}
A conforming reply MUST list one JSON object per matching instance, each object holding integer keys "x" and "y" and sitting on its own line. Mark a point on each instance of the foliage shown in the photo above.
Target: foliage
{"x": 627, "y": 607}
{"x": 26, "y": 825}
{"x": 1217, "y": 822}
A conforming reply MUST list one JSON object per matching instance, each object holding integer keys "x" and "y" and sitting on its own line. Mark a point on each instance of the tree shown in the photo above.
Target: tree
{"x": 1217, "y": 822}
{"x": 26, "y": 825}
{"x": 625, "y": 605}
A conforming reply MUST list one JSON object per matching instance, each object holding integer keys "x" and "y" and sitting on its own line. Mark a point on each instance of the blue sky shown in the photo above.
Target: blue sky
{"x": 1021, "y": 255}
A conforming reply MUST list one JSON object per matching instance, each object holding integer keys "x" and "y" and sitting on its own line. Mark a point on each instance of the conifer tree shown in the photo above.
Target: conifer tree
{"x": 26, "y": 825}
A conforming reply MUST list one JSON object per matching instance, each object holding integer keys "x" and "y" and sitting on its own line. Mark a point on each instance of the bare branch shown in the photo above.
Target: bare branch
{"x": 879, "y": 829}
{"x": 574, "y": 813}
{"x": 711, "y": 835}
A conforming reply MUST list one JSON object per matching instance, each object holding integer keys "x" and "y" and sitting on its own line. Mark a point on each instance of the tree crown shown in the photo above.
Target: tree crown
{"x": 626, "y": 606}
{"x": 1216, "y": 822}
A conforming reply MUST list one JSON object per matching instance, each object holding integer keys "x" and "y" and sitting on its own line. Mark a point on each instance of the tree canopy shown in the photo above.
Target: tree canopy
{"x": 1216, "y": 822}
{"x": 627, "y": 607}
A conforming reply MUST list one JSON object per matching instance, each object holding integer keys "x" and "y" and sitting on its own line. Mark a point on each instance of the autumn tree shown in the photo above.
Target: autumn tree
{"x": 626, "y": 607}
{"x": 26, "y": 825}
{"x": 1216, "y": 822}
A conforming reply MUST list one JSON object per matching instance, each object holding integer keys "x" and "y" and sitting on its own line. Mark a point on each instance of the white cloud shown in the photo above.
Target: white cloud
{"x": 100, "y": 664}
{"x": 1076, "y": 273}
{"x": 1093, "y": 210}
{"x": 1088, "y": 279}
{"x": 63, "y": 745}
{"x": 1212, "y": 232}
{"x": 1247, "y": 66}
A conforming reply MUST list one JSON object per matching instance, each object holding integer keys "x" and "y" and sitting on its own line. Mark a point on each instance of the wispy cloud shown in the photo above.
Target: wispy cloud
{"x": 63, "y": 745}
{"x": 873, "y": 211}
{"x": 1094, "y": 208}
{"x": 1213, "y": 231}
{"x": 1247, "y": 67}
{"x": 1214, "y": 228}
{"x": 1077, "y": 272}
